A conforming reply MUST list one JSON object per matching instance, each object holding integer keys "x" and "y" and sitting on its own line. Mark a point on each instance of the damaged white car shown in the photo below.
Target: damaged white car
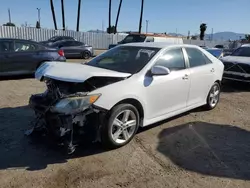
{"x": 132, "y": 85}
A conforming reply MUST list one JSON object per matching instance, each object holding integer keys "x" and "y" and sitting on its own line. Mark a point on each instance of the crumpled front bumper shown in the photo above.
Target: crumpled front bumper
{"x": 69, "y": 129}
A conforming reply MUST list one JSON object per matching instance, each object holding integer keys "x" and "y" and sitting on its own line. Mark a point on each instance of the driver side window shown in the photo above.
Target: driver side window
{"x": 172, "y": 59}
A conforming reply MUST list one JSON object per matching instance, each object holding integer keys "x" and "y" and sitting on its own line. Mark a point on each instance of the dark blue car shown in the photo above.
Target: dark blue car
{"x": 19, "y": 56}
{"x": 215, "y": 52}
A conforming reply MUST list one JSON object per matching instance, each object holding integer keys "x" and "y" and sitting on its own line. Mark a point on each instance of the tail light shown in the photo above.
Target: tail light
{"x": 61, "y": 53}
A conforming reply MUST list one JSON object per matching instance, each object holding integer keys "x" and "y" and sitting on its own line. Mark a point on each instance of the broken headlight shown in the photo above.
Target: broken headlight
{"x": 74, "y": 104}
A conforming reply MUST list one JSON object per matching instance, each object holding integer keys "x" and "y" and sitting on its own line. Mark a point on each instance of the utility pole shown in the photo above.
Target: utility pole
{"x": 102, "y": 25}
{"x": 78, "y": 15}
{"x": 147, "y": 26}
{"x": 212, "y": 34}
{"x": 39, "y": 16}
{"x": 9, "y": 15}
{"x": 140, "y": 23}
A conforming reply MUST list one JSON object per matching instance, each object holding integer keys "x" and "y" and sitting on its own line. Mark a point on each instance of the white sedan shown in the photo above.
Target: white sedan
{"x": 129, "y": 86}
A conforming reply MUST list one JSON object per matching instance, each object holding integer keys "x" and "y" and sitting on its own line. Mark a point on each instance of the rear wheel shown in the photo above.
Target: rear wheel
{"x": 86, "y": 55}
{"x": 122, "y": 125}
{"x": 213, "y": 96}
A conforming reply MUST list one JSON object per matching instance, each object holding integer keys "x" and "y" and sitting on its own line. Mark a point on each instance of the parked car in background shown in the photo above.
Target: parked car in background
{"x": 220, "y": 46}
{"x": 74, "y": 49}
{"x": 126, "y": 87}
{"x": 216, "y": 52}
{"x": 25, "y": 56}
{"x": 57, "y": 38}
{"x": 137, "y": 37}
{"x": 237, "y": 64}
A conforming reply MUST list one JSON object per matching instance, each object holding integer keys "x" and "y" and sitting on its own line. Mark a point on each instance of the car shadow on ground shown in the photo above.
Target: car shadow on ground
{"x": 230, "y": 86}
{"x": 36, "y": 153}
{"x": 209, "y": 149}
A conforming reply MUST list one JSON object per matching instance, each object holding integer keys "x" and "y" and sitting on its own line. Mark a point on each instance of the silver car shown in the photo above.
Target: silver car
{"x": 74, "y": 49}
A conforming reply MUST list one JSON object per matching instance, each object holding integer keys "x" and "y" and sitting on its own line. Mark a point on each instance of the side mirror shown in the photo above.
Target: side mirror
{"x": 159, "y": 70}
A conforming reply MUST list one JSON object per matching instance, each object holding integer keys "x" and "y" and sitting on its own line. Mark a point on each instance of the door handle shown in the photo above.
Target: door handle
{"x": 212, "y": 70}
{"x": 185, "y": 77}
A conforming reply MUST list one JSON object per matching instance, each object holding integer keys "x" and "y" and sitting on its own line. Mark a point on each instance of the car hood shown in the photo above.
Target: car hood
{"x": 236, "y": 59}
{"x": 73, "y": 72}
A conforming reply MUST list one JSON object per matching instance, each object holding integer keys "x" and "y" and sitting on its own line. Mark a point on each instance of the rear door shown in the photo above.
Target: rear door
{"x": 201, "y": 75}
{"x": 66, "y": 46}
{"x": 6, "y": 51}
{"x": 72, "y": 49}
{"x": 26, "y": 56}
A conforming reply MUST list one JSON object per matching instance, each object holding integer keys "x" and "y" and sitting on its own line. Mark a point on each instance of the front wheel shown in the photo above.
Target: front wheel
{"x": 213, "y": 96}
{"x": 122, "y": 125}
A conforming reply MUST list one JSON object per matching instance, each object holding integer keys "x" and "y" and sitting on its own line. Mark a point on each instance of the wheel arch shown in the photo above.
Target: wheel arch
{"x": 135, "y": 103}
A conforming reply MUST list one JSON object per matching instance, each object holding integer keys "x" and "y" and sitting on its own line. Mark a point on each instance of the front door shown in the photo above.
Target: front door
{"x": 25, "y": 57}
{"x": 201, "y": 76}
{"x": 6, "y": 51}
{"x": 168, "y": 93}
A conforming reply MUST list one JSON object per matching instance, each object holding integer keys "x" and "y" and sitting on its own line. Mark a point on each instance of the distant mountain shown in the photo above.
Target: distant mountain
{"x": 226, "y": 36}
{"x": 176, "y": 34}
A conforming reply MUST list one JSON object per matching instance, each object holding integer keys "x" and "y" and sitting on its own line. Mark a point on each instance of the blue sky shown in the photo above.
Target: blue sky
{"x": 163, "y": 15}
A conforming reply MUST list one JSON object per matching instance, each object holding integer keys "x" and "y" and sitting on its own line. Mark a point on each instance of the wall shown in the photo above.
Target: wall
{"x": 97, "y": 40}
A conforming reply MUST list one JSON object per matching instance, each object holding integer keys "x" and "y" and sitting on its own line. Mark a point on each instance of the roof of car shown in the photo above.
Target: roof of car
{"x": 245, "y": 45}
{"x": 16, "y": 39}
{"x": 158, "y": 44}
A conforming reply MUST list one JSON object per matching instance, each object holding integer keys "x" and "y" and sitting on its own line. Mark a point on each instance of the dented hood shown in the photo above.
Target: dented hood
{"x": 73, "y": 72}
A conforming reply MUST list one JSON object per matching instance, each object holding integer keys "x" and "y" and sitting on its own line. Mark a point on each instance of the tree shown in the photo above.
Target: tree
{"x": 111, "y": 29}
{"x": 38, "y": 25}
{"x": 247, "y": 36}
{"x": 78, "y": 15}
{"x": 194, "y": 37}
{"x": 53, "y": 13}
{"x": 140, "y": 22}
{"x": 118, "y": 14}
{"x": 203, "y": 28}
{"x": 9, "y": 24}
{"x": 63, "y": 17}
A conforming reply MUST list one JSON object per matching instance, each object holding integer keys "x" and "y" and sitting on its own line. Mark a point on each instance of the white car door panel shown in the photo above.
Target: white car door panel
{"x": 168, "y": 93}
{"x": 201, "y": 76}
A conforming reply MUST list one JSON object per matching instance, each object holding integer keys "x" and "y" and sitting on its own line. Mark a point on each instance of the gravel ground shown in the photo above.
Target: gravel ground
{"x": 196, "y": 149}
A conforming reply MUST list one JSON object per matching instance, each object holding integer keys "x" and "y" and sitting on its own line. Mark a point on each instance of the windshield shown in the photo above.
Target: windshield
{"x": 133, "y": 38}
{"x": 242, "y": 51}
{"x": 128, "y": 59}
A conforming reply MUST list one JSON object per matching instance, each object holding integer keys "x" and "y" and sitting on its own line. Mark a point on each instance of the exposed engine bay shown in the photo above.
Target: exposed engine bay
{"x": 66, "y": 111}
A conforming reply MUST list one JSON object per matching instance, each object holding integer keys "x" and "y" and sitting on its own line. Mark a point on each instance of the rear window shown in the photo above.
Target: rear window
{"x": 134, "y": 38}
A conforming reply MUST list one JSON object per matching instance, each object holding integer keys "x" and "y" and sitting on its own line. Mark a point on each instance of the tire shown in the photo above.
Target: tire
{"x": 213, "y": 101}
{"x": 108, "y": 130}
{"x": 85, "y": 55}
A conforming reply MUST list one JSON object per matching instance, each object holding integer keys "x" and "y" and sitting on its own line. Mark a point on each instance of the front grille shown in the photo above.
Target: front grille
{"x": 237, "y": 67}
